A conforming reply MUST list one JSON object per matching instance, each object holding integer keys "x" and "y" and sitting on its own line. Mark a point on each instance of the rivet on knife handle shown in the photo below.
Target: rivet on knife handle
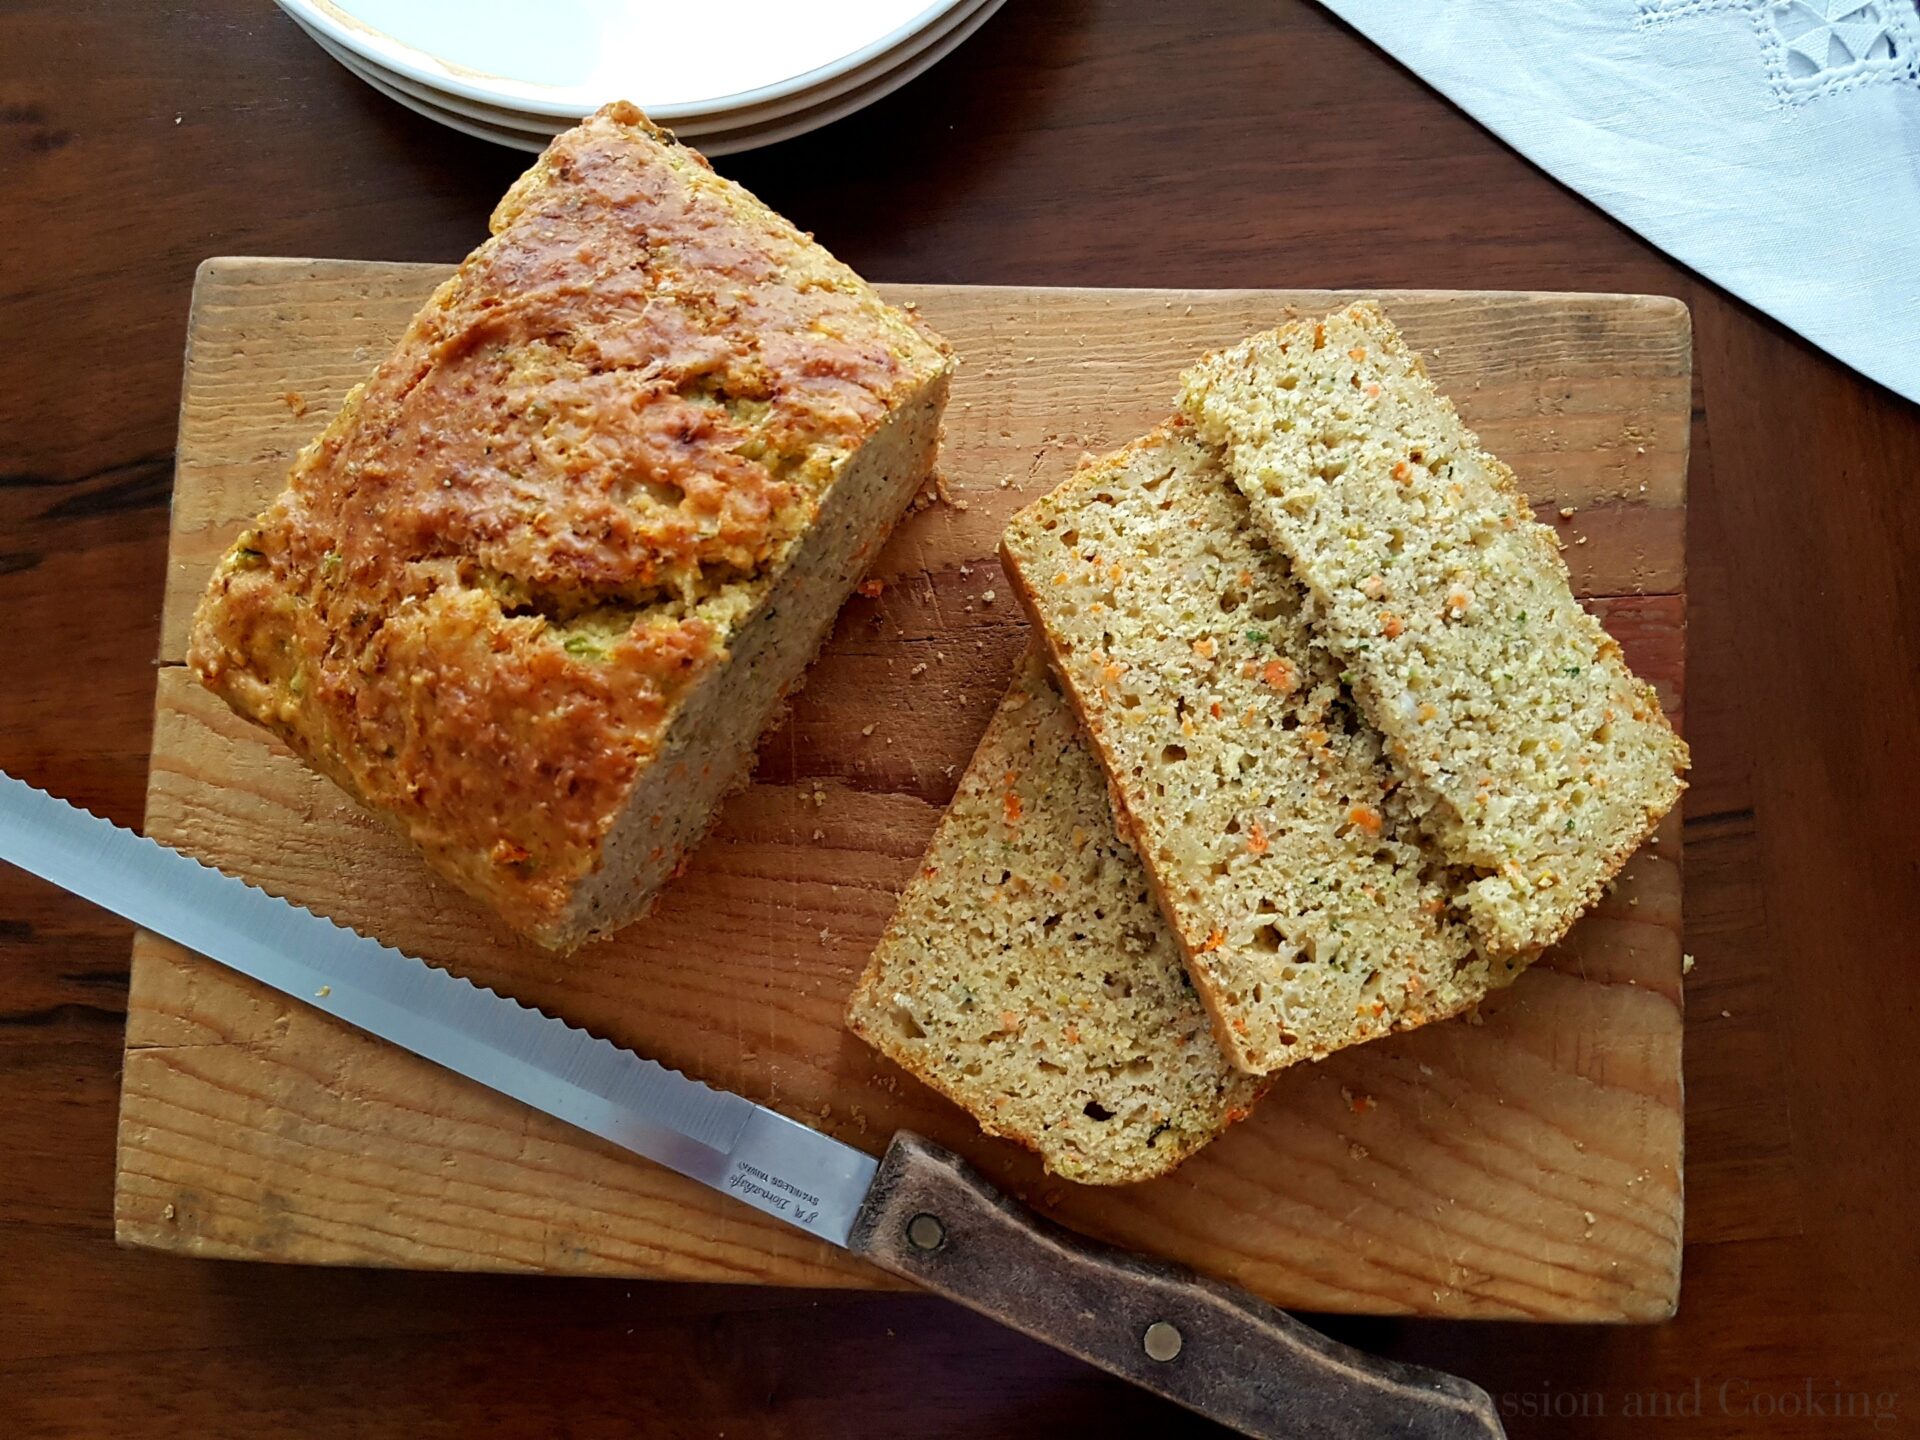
{"x": 932, "y": 1219}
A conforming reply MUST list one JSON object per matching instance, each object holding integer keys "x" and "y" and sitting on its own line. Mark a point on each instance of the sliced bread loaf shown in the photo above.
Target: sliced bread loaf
{"x": 1535, "y": 757}
{"x": 1028, "y": 976}
{"x": 1282, "y": 853}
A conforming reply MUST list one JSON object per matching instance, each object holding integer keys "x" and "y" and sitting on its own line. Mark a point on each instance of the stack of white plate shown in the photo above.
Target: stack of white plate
{"x": 724, "y": 77}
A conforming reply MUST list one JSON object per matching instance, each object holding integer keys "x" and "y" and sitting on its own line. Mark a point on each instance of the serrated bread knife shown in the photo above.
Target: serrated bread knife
{"x": 919, "y": 1212}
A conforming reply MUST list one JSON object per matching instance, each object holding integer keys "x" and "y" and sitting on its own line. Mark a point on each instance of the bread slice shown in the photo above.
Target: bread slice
{"x": 1028, "y": 975}
{"x": 1534, "y": 756}
{"x": 538, "y": 587}
{"x": 1281, "y": 849}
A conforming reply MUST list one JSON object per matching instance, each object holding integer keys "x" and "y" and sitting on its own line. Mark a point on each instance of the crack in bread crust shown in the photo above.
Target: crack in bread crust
{"x": 544, "y": 520}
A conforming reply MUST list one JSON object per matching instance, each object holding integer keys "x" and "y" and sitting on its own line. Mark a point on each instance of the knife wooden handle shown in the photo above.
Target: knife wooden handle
{"x": 931, "y": 1218}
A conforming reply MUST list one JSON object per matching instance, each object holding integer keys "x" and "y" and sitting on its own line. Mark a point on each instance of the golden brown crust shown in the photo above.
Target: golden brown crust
{"x": 533, "y": 526}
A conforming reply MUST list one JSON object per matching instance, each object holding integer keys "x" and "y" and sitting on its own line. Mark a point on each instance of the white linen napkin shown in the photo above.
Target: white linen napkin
{"x": 1772, "y": 145}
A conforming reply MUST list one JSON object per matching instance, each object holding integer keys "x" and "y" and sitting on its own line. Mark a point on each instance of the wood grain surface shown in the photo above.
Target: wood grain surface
{"x": 1527, "y": 1167}
{"x": 1076, "y": 142}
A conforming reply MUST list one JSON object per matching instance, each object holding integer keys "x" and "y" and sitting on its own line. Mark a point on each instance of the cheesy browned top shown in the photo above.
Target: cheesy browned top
{"x": 487, "y": 581}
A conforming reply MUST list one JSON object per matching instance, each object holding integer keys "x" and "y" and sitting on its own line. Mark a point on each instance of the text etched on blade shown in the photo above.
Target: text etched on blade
{"x": 770, "y": 1192}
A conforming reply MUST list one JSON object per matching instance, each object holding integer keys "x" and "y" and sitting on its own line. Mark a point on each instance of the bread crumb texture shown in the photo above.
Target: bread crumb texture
{"x": 1282, "y": 849}
{"x": 535, "y": 525}
{"x": 1532, "y": 755}
{"x": 1029, "y": 976}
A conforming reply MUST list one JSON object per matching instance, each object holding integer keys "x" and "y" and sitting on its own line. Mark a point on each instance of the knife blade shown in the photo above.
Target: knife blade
{"x": 919, "y": 1212}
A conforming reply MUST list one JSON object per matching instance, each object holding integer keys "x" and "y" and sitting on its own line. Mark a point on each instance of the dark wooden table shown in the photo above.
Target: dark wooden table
{"x": 1139, "y": 143}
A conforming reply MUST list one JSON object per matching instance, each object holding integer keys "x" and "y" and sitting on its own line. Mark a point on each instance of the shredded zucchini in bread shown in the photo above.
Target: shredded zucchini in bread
{"x": 1535, "y": 757}
{"x": 1283, "y": 853}
{"x": 537, "y": 589}
{"x": 1028, "y": 975}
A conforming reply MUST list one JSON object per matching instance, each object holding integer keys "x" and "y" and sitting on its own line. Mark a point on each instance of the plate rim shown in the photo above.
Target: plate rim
{"x": 804, "y": 123}
{"x": 716, "y": 143}
{"x": 692, "y": 128}
{"x": 376, "y": 46}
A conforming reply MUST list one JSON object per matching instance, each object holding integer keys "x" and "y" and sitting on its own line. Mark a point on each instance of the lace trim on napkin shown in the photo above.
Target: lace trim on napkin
{"x": 1818, "y": 47}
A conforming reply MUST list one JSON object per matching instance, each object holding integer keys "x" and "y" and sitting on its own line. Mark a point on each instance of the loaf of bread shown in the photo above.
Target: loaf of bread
{"x": 1535, "y": 759}
{"x": 1282, "y": 851}
{"x": 1028, "y": 975}
{"x": 536, "y": 590}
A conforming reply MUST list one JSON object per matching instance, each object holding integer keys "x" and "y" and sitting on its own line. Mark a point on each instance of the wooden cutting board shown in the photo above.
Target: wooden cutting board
{"x": 1525, "y": 1164}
